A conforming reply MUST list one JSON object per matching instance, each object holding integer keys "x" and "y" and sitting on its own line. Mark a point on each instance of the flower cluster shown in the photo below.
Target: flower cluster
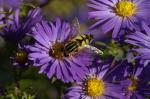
{"x": 61, "y": 52}
{"x": 119, "y": 15}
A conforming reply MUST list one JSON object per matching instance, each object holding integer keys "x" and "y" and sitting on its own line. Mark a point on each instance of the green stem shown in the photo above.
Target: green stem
{"x": 101, "y": 44}
{"x": 113, "y": 63}
{"x": 16, "y": 78}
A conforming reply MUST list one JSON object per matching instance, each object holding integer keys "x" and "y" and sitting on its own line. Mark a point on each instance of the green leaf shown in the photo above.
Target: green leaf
{"x": 113, "y": 48}
{"x": 25, "y": 9}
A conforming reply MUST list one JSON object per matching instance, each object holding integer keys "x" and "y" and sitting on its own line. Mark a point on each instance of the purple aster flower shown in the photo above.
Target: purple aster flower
{"x": 16, "y": 28}
{"x": 33, "y": 17}
{"x": 142, "y": 40}
{"x": 117, "y": 71}
{"x": 94, "y": 86}
{"x": 117, "y": 15}
{"x": 7, "y": 16}
{"x": 20, "y": 58}
{"x": 47, "y": 52}
{"x": 135, "y": 87}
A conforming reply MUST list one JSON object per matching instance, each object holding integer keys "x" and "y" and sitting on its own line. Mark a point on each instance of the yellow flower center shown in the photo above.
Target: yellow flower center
{"x": 94, "y": 87}
{"x": 21, "y": 56}
{"x": 133, "y": 85}
{"x": 125, "y": 8}
{"x": 57, "y": 50}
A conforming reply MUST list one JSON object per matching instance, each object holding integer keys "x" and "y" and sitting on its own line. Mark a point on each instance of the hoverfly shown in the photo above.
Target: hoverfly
{"x": 79, "y": 41}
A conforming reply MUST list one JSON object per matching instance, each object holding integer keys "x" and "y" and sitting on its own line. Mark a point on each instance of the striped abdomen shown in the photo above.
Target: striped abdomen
{"x": 77, "y": 42}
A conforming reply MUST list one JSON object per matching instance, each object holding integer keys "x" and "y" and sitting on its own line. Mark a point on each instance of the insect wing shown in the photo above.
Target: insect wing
{"x": 75, "y": 27}
{"x": 96, "y": 50}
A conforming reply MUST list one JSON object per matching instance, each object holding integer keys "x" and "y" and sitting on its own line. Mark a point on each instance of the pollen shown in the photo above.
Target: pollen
{"x": 21, "y": 56}
{"x": 125, "y": 8}
{"x": 57, "y": 50}
{"x": 94, "y": 87}
{"x": 133, "y": 85}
